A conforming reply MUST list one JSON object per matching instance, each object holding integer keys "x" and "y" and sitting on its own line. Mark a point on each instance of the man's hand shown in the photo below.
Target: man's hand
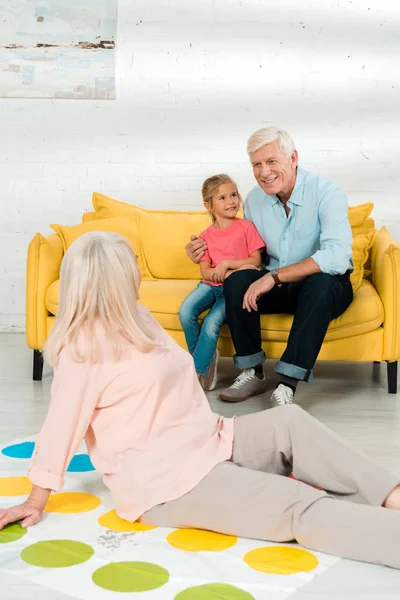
{"x": 220, "y": 272}
{"x": 256, "y": 290}
{"x": 195, "y": 248}
{"x": 28, "y": 513}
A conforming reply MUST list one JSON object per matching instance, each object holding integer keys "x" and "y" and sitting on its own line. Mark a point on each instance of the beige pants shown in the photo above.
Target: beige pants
{"x": 253, "y": 497}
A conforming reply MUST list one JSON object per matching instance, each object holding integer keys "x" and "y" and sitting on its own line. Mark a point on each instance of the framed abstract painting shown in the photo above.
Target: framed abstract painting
{"x": 58, "y": 49}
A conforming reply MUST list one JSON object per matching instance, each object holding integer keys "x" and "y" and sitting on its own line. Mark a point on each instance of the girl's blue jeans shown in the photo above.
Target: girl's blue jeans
{"x": 202, "y": 340}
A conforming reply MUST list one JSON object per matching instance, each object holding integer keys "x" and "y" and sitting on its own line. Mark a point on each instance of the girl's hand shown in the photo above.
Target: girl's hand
{"x": 219, "y": 272}
{"x": 28, "y": 512}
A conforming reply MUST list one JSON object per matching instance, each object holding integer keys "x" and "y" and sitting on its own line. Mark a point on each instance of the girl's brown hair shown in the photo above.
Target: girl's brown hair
{"x": 211, "y": 185}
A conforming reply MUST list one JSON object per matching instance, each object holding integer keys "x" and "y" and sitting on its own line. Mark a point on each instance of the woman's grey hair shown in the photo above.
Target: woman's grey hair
{"x": 266, "y": 135}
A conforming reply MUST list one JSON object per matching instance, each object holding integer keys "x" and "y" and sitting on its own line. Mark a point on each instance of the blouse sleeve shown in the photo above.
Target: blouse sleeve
{"x": 74, "y": 397}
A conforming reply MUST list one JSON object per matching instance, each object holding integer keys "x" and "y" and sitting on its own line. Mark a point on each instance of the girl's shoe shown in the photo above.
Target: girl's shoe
{"x": 209, "y": 380}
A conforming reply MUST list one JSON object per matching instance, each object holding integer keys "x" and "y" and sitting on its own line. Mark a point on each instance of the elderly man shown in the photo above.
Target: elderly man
{"x": 303, "y": 219}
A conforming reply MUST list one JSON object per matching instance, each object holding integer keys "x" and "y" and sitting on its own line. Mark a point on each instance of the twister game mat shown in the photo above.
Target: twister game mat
{"x": 83, "y": 549}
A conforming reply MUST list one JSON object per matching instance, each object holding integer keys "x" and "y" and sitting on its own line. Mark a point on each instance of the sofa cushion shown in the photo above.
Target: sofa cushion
{"x": 52, "y": 297}
{"x": 125, "y": 227}
{"x": 106, "y": 207}
{"x": 359, "y": 249}
{"x": 164, "y": 236}
{"x": 364, "y": 314}
{"x": 164, "y": 298}
{"x": 358, "y": 214}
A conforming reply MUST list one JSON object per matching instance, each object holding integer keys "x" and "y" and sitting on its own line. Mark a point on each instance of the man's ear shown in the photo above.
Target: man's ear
{"x": 295, "y": 159}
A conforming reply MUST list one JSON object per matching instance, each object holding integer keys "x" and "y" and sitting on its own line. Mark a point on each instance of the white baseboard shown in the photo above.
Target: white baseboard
{"x": 12, "y": 323}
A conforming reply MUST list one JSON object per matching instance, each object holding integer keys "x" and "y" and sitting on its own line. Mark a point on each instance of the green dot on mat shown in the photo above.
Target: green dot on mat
{"x": 130, "y": 577}
{"x": 57, "y": 553}
{"x": 214, "y": 591}
{"x": 12, "y": 533}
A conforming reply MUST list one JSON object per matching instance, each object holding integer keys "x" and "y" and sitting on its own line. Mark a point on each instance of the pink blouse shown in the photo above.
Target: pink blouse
{"x": 146, "y": 421}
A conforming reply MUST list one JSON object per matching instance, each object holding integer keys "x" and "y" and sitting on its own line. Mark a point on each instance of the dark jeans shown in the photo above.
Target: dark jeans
{"x": 314, "y": 302}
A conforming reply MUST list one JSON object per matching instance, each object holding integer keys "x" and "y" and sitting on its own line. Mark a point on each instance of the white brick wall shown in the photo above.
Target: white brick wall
{"x": 194, "y": 80}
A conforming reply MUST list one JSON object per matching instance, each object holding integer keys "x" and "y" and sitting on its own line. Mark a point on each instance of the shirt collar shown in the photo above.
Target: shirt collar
{"x": 297, "y": 194}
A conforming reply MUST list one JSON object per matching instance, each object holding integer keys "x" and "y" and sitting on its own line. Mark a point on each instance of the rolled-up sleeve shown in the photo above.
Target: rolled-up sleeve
{"x": 74, "y": 397}
{"x": 334, "y": 255}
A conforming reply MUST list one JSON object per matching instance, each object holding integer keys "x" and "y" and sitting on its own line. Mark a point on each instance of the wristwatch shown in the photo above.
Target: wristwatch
{"x": 275, "y": 277}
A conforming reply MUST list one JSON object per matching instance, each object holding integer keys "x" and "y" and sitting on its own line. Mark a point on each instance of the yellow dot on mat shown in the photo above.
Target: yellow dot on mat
{"x": 72, "y": 502}
{"x": 281, "y": 560}
{"x": 112, "y": 521}
{"x": 198, "y": 540}
{"x": 15, "y": 486}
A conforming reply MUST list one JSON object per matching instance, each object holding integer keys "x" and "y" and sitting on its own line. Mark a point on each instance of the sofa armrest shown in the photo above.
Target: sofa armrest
{"x": 42, "y": 269}
{"x": 385, "y": 262}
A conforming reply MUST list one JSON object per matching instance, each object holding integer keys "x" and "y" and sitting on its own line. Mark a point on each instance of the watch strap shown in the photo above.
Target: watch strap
{"x": 275, "y": 277}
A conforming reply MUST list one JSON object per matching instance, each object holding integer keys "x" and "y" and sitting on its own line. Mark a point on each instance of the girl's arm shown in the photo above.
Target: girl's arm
{"x": 74, "y": 397}
{"x": 206, "y": 270}
{"x": 253, "y": 259}
{"x": 227, "y": 267}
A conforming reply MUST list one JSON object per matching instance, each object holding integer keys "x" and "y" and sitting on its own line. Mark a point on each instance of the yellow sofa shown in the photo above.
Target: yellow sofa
{"x": 369, "y": 330}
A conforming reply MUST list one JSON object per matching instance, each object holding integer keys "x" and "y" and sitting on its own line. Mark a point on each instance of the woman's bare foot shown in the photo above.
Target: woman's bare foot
{"x": 393, "y": 500}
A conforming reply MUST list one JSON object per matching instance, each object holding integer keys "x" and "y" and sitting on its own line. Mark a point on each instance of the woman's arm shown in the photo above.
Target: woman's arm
{"x": 29, "y": 512}
{"x": 74, "y": 397}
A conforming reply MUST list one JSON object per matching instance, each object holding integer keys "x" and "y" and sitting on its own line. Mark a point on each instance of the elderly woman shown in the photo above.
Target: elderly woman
{"x": 123, "y": 385}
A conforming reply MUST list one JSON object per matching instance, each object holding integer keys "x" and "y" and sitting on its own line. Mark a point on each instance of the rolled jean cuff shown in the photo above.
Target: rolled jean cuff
{"x": 247, "y": 362}
{"x": 293, "y": 371}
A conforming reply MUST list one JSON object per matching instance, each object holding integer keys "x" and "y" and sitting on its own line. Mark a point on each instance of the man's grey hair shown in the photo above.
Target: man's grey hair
{"x": 266, "y": 135}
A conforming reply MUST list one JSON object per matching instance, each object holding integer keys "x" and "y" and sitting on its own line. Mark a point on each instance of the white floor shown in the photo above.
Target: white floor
{"x": 350, "y": 398}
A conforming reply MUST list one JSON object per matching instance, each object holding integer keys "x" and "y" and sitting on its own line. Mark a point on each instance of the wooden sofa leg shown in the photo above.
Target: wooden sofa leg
{"x": 392, "y": 377}
{"x": 37, "y": 365}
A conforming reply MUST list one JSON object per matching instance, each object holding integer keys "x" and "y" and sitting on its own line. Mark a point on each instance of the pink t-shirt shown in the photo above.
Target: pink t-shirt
{"x": 235, "y": 243}
{"x": 146, "y": 421}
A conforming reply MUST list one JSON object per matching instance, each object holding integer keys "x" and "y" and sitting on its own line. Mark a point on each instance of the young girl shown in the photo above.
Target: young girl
{"x": 232, "y": 244}
{"x": 131, "y": 392}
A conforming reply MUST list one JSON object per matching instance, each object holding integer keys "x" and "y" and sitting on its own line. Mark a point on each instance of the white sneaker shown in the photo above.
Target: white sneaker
{"x": 244, "y": 386}
{"x": 283, "y": 394}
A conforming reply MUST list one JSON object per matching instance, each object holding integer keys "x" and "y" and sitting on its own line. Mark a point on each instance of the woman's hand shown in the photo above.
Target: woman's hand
{"x": 28, "y": 512}
{"x": 220, "y": 271}
{"x": 258, "y": 288}
{"x": 195, "y": 248}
